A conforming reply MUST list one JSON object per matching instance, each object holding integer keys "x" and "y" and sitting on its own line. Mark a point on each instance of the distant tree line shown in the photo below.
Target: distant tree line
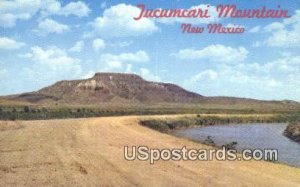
{"x": 31, "y": 113}
{"x": 41, "y": 113}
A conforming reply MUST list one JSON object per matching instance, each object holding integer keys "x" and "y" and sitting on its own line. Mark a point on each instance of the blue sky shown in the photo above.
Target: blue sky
{"x": 43, "y": 41}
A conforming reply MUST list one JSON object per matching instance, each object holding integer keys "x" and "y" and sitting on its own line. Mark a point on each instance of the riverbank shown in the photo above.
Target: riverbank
{"x": 167, "y": 125}
{"x": 90, "y": 152}
{"x": 293, "y": 131}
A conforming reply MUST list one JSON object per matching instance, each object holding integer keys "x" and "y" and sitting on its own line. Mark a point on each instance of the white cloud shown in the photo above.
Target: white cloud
{"x": 48, "y": 26}
{"x": 8, "y": 43}
{"x": 281, "y": 34}
{"x": 13, "y": 10}
{"x": 212, "y": 11}
{"x": 247, "y": 75}
{"x": 25, "y": 55}
{"x": 54, "y": 7}
{"x": 117, "y": 21}
{"x": 123, "y": 63}
{"x": 52, "y": 56}
{"x": 7, "y": 20}
{"x": 52, "y": 64}
{"x": 255, "y": 29}
{"x": 278, "y": 79}
{"x": 128, "y": 68}
{"x": 205, "y": 76}
{"x": 256, "y": 44}
{"x": 78, "y": 8}
{"x": 77, "y": 47}
{"x": 216, "y": 53}
{"x": 139, "y": 56}
{"x": 121, "y": 44}
{"x": 114, "y": 64}
{"x": 88, "y": 75}
{"x": 3, "y": 72}
{"x": 285, "y": 54}
{"x": 98, "y": 44}
{"x": 111, "y": 62}
{"x": 146, "y": 73}
{"x": 232, "y": 25}
{"x": 273, "y": 27}
{"x": 286, "y": 33}
{"x": 50, "y": 7}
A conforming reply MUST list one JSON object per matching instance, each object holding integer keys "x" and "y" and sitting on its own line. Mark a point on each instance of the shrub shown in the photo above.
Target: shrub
{"x": 209, "y": 141}
{"x": 231, "y": 145}
{"x": 156, "y": 125}
{"x": 26, "y": 109}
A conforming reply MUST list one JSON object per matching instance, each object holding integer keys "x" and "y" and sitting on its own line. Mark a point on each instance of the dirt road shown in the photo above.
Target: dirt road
{"x": 89, "y": 152}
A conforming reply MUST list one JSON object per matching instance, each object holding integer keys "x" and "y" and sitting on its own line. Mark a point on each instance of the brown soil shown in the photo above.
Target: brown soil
{"x": 89, "y": 152}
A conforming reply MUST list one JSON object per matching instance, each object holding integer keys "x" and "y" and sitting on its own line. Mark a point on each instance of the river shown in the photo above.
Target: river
{"x": 250, "y": 136}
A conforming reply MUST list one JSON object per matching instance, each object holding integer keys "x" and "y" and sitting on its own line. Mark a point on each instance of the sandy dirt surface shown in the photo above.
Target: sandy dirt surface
{"x": 90, "y": 152}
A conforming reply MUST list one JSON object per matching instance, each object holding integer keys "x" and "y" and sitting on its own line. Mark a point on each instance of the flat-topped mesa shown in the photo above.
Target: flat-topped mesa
{"x": 120, "y": 88}
{"x": 117, "y": 77}
{"x": 117, "y": 88}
